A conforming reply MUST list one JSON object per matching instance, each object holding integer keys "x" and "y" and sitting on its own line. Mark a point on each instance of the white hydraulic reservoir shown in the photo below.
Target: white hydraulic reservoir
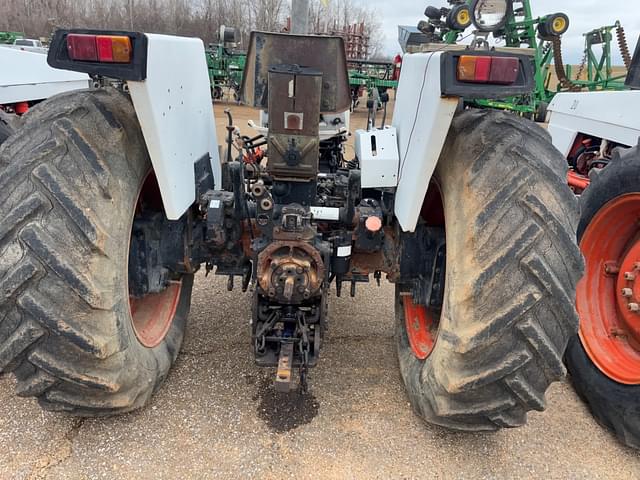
{"x": 377, "y": 151}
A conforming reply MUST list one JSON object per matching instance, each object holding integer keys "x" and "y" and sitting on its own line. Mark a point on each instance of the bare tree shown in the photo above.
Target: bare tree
{"x": 200, "y": 18}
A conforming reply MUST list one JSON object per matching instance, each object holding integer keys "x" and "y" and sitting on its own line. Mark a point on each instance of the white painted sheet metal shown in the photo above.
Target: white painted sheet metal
{"x": 422, "y": 118}
{"x": 176, "y": 115}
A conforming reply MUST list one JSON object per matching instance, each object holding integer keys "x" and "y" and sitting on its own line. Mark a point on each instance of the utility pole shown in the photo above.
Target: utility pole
{"x": 300, "y": 17}
{"x": 131, "y": 13}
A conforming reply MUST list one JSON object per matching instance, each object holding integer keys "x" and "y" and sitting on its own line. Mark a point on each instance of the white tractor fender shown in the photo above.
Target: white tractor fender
{"x": 608, "y": 115}
{"x": 174, "y": 109}
{"x": 25, "y": 76}
{"x": 422, "y": 118}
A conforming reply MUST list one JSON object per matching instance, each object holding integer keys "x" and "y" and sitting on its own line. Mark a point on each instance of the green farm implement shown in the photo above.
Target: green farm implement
{"x": 371, "y": 76}
{"x": 541, "y": 37}
{"x": 10, "y": 37}
{"x": 596, "y": 72}
{"x": 225, "y": 64}
{"x": 226, "y": 69}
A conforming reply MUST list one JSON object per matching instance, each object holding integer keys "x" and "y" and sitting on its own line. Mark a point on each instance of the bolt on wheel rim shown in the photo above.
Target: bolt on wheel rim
{"x": 608, "y": 296}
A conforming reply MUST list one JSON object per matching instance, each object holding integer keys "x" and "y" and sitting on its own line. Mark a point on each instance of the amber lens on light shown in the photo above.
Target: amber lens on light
{"x": 474, "y": 69}
{"x": 99, "y": 48}
{"x": 491, "y": 70}
{"x": 467, "y": 68}
{"x": 122, "y": 50}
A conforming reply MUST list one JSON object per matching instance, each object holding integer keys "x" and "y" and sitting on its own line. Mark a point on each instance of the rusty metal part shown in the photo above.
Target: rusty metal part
{"x": 294, "y": 107}
{"x": 290, "y": 272}
{"x": 294, "y": 100}
{"x": 306, "y": 151}
{"x": 323, "y": 53}
{"x": 583, "y": 65}
{"x": 305, "y": 233}
{"x": 285, "y": 361}
{"x": 386, "y": 260}
{"x": 561, "y": 71}
{"x": 624, "y": 46}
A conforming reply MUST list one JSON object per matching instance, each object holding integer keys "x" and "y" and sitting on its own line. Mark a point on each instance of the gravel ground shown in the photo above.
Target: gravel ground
{"x": 217, "y": 417}
{"x": 214, "y": 417}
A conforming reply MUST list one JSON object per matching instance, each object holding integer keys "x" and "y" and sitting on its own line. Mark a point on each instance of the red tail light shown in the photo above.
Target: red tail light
{"x": 82, "y": 47}
{"x": 489, "y": 70}
{"x": 99, "y": 48}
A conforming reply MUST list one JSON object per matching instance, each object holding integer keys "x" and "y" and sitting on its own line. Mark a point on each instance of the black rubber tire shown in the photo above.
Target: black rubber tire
{"x": 545, "y": 29}
{"x": 433, "y": 13}
{"x": 614, "y": 405}
{"x": 68, "y": 188}
{"x": 6, "y": 129}
{"x": 512, "y": 267}
{"x": 452, "y": 18}
{"x": 541, "y": 113}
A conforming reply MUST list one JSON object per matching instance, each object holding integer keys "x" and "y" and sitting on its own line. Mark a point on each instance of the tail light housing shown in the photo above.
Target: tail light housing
{"x": 491, "y": 70}
{"x": 486, "y": 74}
{"x": 99, "y": 48}
{"x": 121, "y": 55}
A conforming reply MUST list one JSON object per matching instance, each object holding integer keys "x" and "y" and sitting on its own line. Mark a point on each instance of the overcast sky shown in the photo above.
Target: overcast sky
{"x": 585, "y": 15}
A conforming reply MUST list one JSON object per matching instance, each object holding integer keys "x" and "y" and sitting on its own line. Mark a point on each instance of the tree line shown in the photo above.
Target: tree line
{"x": 199, "y": 18}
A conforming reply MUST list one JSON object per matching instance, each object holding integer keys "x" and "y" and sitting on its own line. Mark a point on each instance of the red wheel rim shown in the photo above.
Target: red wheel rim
{"x": 420, "y": 323}
{"x": 421, "y": 328}
{"x": 152, "y": 314}
{"x": 608, "y": 296}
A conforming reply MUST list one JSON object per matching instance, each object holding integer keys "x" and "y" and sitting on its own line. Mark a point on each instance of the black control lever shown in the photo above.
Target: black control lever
{"x": 384, "y": 98}
{"x": 371, "y": 118}
{"x": 230, "y": 130}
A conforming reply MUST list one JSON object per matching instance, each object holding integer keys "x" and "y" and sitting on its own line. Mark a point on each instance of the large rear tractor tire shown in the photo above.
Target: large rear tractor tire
{"x": 70, "y": 187}
{"x": 604, "y": 359}
{"x": 488, "y": 356}
{"x": 6, "y": 127}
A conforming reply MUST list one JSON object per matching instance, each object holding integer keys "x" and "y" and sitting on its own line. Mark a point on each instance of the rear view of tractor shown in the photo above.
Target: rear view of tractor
{"x": 112, "y": 200}
{"x": 599, "y": 132}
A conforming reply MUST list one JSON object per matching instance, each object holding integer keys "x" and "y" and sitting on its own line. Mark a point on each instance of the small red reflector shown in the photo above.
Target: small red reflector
{"x": 105, "y": 50}
{"x": 82, "y": 47}
{"x": 504, "y": 70}
{"x": 21, "y": 108}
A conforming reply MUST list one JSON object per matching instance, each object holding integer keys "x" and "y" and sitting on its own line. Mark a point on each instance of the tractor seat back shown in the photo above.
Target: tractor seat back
{"x": 323, "y": 53}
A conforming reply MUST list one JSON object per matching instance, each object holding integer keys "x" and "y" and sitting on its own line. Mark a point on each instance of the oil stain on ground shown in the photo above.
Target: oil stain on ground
{"x": 283, "y": 412}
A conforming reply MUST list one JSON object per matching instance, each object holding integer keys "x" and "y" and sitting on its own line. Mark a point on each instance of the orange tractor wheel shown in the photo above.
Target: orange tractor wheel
{"x": 604, "y": 359}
